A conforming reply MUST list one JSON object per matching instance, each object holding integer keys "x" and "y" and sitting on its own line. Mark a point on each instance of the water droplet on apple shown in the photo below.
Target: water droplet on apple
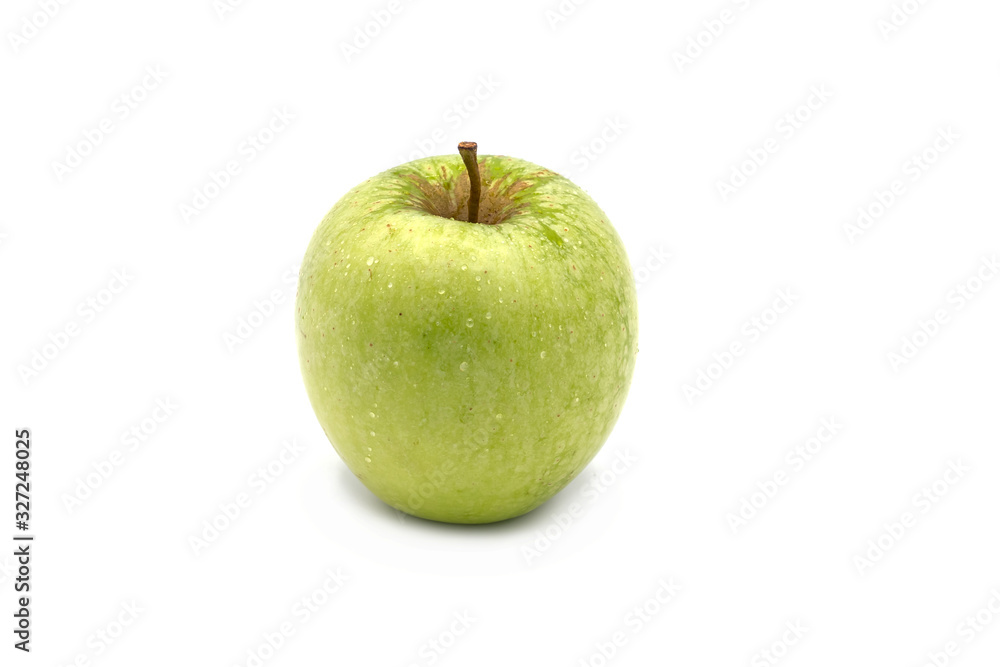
{"x": 464, "y": 366}
{"x": 367, "y": 460}
{"x": 465, "y": 267}
{"x": 440, "y": 291}
{"x": 499, "y": 416}
{"x": 371, "y": 433}
{"x": 489, "y": 315}
{"x": 469, "y": 322}
{"x": 543, "y": 354}
{"x": 478, "y": 278}
{"x": 371, "y": 414}
{"x": 371, "y": 260}
{"x": 390, "y": 285}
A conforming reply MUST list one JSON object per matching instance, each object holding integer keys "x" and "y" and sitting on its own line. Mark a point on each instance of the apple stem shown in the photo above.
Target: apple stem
{"x": 468, "y": 151}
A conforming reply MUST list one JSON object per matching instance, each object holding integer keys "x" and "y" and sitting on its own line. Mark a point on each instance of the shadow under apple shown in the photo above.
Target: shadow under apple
{"x": 355, "y": 519}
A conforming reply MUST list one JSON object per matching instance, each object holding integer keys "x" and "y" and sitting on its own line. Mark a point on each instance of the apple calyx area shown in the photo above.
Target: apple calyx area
{"x": 486, "y": 192}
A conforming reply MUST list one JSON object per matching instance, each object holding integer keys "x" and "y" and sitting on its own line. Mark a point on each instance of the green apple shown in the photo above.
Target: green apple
{"x": 466, "y": 343}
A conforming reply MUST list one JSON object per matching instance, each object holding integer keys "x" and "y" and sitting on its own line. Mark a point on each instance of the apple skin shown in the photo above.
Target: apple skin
{"x": 466, "y": 372}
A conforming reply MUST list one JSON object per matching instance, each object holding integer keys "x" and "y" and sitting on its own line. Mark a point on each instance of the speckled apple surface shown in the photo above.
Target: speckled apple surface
{"x": 466, "y": 372}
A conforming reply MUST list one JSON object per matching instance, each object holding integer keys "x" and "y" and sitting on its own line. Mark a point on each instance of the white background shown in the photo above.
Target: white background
{"x": 661, "y": 134}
